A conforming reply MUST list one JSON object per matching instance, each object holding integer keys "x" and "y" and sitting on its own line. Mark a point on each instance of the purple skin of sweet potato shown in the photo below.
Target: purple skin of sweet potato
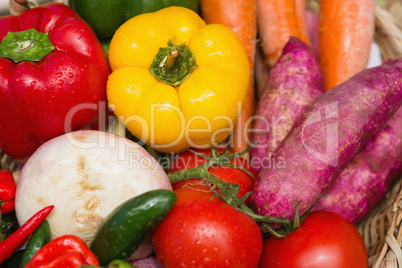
{"x": 150, "y": 262}
{"x": 294, "y": 83}
{"x": 367, "y": 178}
{"x": 325, "y": 139}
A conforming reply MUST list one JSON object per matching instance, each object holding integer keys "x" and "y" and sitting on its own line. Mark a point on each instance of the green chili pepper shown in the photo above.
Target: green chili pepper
{"x": 37, "y": 240}
{"x": 128, "y": 225}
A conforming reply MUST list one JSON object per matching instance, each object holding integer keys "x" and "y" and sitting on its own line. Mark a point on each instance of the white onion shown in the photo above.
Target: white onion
{"x": 85, "y": 175}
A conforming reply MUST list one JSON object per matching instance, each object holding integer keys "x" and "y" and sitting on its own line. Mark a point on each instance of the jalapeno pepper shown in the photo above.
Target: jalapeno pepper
{"x": 128, "y": 225}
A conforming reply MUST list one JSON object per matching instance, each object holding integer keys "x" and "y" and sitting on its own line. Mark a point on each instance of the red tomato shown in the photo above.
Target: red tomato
{"x": 188, "y": 159}
{"x": 203, "y": 231}
{"x": 324, "y": 239}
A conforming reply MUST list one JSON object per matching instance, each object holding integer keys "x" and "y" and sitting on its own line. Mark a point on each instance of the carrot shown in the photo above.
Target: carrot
{"x": 301, "y": 18}
{"x": 277, "y": 22}
{"x": 346, "y": 31}
{"x": 241, "y": 17}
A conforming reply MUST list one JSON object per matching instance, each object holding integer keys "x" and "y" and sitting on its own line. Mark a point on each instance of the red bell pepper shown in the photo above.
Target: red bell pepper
{"x": 16, "y": 239}
{"x": 67, "y": 251}
{"x": 53, "y": 74}
{"x": 7, "y": 191}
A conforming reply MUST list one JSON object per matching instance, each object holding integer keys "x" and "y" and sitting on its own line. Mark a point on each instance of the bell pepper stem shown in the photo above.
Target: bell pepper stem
{"x": 29, "y": 45}
{"x": 173, "y": 64}
{"x": 171, "y": 58}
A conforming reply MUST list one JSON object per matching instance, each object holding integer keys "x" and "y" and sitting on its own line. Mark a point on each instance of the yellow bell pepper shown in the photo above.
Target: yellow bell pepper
{"x": 177, "y": 82}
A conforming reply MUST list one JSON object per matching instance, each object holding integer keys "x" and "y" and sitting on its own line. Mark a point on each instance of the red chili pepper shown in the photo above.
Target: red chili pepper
{"x": 67, "y": 251}
{"x": 16, "y": 239}
{"x": 7, "y": 191}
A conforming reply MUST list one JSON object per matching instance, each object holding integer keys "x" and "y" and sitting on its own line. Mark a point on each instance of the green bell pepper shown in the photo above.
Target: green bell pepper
{"x": 105, "y": 16}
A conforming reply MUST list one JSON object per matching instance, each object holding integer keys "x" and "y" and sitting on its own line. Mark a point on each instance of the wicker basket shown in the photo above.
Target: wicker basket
{"x": 381, "y": 229}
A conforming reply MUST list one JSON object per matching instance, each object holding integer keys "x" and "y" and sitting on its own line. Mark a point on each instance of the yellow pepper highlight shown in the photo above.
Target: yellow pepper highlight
{"x": 201, "y": 80}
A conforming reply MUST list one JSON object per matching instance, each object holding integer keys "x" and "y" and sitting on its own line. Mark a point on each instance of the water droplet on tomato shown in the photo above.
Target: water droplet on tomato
{"x": 207, "y": 259}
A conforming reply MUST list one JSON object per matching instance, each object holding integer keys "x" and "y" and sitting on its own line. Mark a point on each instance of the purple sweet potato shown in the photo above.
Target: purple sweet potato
{"x": 150, "y": 262}
{"x": 325, "y": 139}
{"x": 368, "y": 177}
{"x": 293, "y": 84}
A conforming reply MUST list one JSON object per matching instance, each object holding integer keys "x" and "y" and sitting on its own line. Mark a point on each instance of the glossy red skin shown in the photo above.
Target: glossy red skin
{"x": 63, "y": 251}
{"x": 36, "y": 97}
{"x": 9, "y": 245}
{"x": 188, "y": 159}
{"x": 203, "y": 231}
{"x": 324, "y": 239}
{"x": 7, "y": 191}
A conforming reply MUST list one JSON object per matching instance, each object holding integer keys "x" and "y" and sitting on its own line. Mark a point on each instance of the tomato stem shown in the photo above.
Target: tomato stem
{"x": 228, "y": 191}
{"x": 296, "y": 219}
{"x": 290, "y": 227}
{"x": 273, "y": 232}
{"x": 260, "y": 218}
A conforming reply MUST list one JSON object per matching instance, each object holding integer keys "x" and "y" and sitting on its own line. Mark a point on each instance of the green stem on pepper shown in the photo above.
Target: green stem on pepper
{"x": 173, "y": 64}
{"x": 29, "y": 45}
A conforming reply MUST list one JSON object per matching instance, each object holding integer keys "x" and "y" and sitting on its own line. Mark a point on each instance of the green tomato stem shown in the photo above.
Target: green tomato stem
{"x": 228, "y": 191}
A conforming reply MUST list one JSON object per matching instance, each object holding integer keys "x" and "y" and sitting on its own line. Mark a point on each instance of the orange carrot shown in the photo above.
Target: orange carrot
{"x": 277, "y": 22}
{"x": 241, "y": 17}
{"x": 346, "y": 32}
{"x": 301, "y": 18}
